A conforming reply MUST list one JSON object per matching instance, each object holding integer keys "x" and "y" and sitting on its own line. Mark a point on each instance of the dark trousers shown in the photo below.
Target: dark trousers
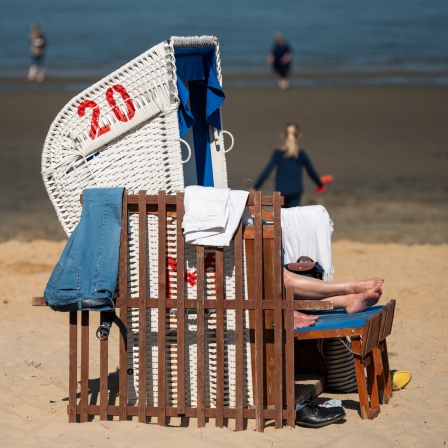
{"x": 292, "y": 201}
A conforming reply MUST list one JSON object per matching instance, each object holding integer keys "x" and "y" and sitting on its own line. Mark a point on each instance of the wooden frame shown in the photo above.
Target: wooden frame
{"x": 273, "y": 396}
{"x": 271, "y": 322}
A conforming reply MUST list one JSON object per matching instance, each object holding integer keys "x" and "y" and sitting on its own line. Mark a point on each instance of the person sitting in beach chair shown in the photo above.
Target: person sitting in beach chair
{"x": 314, "y": 239}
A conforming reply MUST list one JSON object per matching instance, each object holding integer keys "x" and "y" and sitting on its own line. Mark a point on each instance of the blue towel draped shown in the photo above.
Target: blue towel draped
{"x": 198, "y": 64}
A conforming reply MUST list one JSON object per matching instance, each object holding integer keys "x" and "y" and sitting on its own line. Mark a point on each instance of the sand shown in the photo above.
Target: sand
{"x": 386, "y": 147}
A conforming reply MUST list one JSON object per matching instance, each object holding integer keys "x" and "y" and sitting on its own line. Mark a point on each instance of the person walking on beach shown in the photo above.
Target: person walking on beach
{"x": 38, "y": 43}
{"x": 289, "y": 160}
{"x": 280, "y": 58}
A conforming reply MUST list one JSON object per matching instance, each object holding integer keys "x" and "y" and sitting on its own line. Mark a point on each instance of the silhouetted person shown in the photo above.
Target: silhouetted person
{"x": 280, "y": 58}
{"x": 289, "y": 161}
{"x": 38, "y": 43}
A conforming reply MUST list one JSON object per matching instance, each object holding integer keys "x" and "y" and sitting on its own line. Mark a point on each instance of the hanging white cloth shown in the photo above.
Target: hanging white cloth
{"x": 307, "y": 231}
{"x": 212, "y": 214}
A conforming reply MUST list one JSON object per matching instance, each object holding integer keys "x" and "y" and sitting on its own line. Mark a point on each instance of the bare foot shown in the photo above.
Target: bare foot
{"x": 365, "y": 285}
{"x": 360, "y": 302}
{"x": 304, "y": 320}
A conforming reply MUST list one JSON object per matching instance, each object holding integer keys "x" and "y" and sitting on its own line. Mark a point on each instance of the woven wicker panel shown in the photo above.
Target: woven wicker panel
{"x": 135, "y": 143}
{"x": 190, "y": 336}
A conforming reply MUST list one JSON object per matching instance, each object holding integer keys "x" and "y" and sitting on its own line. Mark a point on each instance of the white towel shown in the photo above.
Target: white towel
{"x": 212, "y": 215}
{"x": 205, "y": 208}
{"x": 307, "y": 231}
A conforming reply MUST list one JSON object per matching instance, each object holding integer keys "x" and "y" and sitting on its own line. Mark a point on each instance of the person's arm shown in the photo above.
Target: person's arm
{"x": 287, "y": 57}
{"x": 310, "y": 168}
{"x": 266, "y": 172}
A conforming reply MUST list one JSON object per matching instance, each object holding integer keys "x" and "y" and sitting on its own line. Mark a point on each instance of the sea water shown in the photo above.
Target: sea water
{"x": 92, "y": 38}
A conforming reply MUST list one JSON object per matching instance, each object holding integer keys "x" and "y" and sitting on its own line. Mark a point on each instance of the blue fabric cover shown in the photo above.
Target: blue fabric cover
{"x": 331, "y": 320}
{"x": 196, "y": 67}
{"x": 335, "y": 322}
{"x": 198, "y": 64}
{"x": 185, "y": 117}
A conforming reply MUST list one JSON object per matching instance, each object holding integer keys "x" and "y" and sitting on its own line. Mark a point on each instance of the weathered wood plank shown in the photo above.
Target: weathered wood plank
{"x": 143, "y": 272}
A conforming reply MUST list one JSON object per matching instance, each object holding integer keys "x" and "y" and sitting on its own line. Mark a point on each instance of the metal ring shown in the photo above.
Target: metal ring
{"x": 233, "y": 141}
{"x": 189, "y": 151}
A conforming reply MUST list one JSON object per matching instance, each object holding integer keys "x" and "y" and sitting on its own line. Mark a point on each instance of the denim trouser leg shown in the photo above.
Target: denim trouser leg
{"x": 88, "y": 267}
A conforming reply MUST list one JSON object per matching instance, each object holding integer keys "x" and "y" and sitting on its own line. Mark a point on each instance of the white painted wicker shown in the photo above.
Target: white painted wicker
{"x": 140, "y": 153}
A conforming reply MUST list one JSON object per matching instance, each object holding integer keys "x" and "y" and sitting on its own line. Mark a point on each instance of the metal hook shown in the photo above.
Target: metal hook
{"x": 189, "y": 151}
{"x": 251, "y": 184}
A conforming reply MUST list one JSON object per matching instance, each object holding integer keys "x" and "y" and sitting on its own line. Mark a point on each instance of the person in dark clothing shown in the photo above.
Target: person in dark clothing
{"x": 280, "y": 58}
{"x": 289, "y": 160}
{"x": 38, "y": 43}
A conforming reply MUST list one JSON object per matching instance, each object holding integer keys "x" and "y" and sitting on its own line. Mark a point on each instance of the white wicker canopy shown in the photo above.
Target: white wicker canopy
{"x": 124, "y": 131}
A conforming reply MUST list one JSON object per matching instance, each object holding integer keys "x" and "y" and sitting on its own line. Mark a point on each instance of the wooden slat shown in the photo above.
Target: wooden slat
{"x": 289, "y": 357}
{"x": 162, "y": 309}
{"x": 230, "y": 304}
{"x": 200, "y": 337}
{"x": 249, "y": 232}
{"x": 122, "y": 305}
{"x": 269, "y": 352}
{"x": 142, "y": 307}
{"x": 265, "y": 200}
{"x": 259, "y": 327}
{"x": 84, "y": 416}
{"x": 239, "y": 329}
{"x": 313, "y": 305}
{"x": 278, "y": 312}
{"x": 39, "y": 301}
{"x": 336, "y": 333}
{"x": 73, "y": 366}
{"x": 151, "y": 411}
{"x": 180, "y": 306}
{"x": 104, "y": 370}
{"x": 219, "y": 284}
{"x": 364, "y": 407}
{"x": 152, "y": 199}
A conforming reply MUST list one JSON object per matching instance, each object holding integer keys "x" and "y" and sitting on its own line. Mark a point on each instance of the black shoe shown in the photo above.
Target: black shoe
{"x": 313, "y": 416}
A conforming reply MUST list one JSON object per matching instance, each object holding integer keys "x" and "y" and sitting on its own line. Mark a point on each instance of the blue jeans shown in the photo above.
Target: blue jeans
{"x": 85, "y": 277}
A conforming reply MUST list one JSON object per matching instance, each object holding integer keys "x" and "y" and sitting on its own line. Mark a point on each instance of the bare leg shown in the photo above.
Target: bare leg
{"x": 354, "y": 297}
{"x": 32, "y": 72}
{"x": 283, "y": 83}
{"x": 40, "y": 74}
{"x": 308, "y": 288}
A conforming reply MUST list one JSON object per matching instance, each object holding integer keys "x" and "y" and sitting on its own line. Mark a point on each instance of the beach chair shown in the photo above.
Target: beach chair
{"x": 126, "y": 131}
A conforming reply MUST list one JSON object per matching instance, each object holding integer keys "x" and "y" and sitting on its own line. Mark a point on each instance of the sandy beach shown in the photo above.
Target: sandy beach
{"x": 386, "y": 148}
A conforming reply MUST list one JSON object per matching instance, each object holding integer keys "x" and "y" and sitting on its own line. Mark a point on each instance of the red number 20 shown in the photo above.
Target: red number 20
{"x": 95, "y": 130}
